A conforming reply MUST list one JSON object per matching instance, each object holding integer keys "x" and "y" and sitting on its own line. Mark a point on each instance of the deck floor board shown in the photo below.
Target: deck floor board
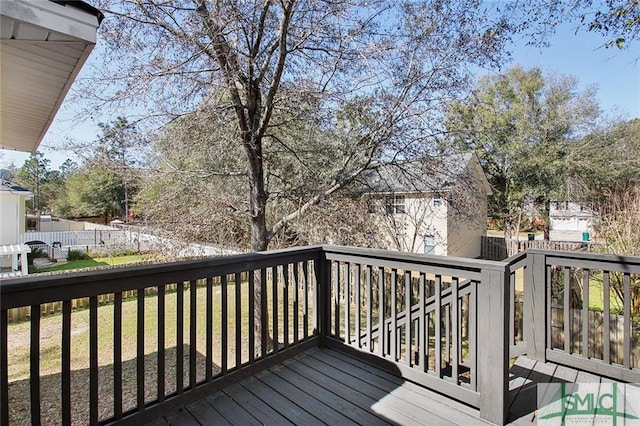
{"x": 294, "y": 413}
{"x": 230, "y": 410}
{"x": 324, "y": 386}
{"x": 388, "y": 403}
{"x": 241, "y": 394}
{"x": 315, "y": 407}
{"x": 204, "y": 413}
{"x": 341, "y": 391}
{"x": 434, "y": 402}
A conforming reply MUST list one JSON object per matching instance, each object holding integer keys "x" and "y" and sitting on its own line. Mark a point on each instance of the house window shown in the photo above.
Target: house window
{"x": 395, "y": 204}
{"x": 429, "y": 242}
{"x": 372, "y": 206}
{"x": 437, "y": 201}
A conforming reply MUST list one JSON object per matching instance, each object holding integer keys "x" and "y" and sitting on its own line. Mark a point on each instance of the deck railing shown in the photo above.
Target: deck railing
{"x": 442, "y": 321}
{"x": 189, "y": 328}
{"x": 158, "y": 336}
{"x": 580, "y": 310}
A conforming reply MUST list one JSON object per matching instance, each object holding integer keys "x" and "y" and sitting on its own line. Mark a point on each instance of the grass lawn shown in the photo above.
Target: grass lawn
{"x": 97, "y": 262}
{"x": 596, "y": 295}
{"x": 50, "y": 348}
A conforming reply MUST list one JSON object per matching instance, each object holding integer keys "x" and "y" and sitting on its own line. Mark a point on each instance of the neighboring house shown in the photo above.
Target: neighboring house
{"x": 435, "y": 206}
{"x": 12, "y": 212}
{"x": 570, "y": 221}
{"x": 47, "y": 223}
{"x": 43, "y": 45}
{"x": 12, "y": 223}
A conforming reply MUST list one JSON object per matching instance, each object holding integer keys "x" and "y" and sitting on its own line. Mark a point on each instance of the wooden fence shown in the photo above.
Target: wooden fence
{"x": 594, "y": 334}
{"x": 499, "y": 248}
{"x": 24, "y": 313}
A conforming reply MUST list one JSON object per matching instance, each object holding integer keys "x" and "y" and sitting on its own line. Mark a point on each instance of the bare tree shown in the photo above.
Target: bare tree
{"x": 370, "y": 76}
{"x": 327, "y": 88}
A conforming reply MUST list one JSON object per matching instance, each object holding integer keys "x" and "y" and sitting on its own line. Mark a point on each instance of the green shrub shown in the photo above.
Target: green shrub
{"x": 77, "y": 255}
{"x": 122, "y": 252}
{"x": 36, "y": 252}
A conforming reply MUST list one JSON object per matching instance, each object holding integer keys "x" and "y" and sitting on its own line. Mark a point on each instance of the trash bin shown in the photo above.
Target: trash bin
{"x": 585, "y": 236}
{"x": 531, "y": 236}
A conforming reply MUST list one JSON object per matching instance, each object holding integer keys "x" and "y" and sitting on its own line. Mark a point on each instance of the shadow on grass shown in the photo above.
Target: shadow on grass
{"x": 50, "y": 389}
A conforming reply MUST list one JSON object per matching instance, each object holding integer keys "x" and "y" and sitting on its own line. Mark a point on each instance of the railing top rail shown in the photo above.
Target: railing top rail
{"x": 518, "y": 257}
{"x": 590, "y": 256}
{"x": 16, "y": 292}
{"x": 451, "y": 262}
{"x": 591, "y": 260}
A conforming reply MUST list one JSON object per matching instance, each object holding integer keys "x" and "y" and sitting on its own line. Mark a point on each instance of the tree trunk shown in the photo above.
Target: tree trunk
{"x": 259, "y": 234}
{"x": 547, "y": 219}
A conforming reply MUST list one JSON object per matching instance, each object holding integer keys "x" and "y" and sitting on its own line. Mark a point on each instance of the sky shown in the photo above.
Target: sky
{"x": 616, "y": 73}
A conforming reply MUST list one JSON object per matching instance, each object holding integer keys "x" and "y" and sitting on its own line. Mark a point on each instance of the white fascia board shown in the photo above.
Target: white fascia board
{"x": 53, "y": 17}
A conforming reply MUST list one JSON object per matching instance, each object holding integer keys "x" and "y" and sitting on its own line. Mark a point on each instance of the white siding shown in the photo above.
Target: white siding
{"x": 406, "y": 231}
{"x": 11, "y": 217}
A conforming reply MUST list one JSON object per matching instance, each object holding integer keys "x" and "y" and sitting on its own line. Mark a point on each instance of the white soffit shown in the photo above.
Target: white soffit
{"x": 43, "y": 45}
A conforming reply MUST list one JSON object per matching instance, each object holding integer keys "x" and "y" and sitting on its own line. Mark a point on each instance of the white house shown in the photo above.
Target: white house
{"x": 570, "y": 221}
{"x": 43, "y": 45}
{"x": 12, "y": 217}
{"x": 12, "y": 212}
{"x": 435, "y": 206}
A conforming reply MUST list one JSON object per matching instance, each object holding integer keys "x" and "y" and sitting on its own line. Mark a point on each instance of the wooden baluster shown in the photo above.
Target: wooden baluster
{"x": 65, "y": 373}
{"x": 193, "y": 292}
{"x": 393, "y": 350}
{"x": 369, "y": 308}
{"x": 140, "y": 352}
{"x": 117, "y": 355}
{"x": 238, "y": 348}
{"x": 161, "y": 342}
{"x": 209, "y": 330}
{"x": 274, "y": 288}
{"x": 225, "y": 325}
{"x": 252, "y": 319}
{"x": 606, "y": 325}
{"x": 347, "y": 303}
{"x": 34, "y": 361}
{"x": 408, "y": 322}
{"x": 296, "y": 302}
{"x": 179, "y": 337}
{"x": 285, "y": 304}
{"x": 4, "y": 367}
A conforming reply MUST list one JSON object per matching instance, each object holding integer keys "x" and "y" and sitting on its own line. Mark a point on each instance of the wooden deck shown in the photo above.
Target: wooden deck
{"x": 324, "y": 386}
{"x": 524, "y": 376}
{"x": 446, "y": 324}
